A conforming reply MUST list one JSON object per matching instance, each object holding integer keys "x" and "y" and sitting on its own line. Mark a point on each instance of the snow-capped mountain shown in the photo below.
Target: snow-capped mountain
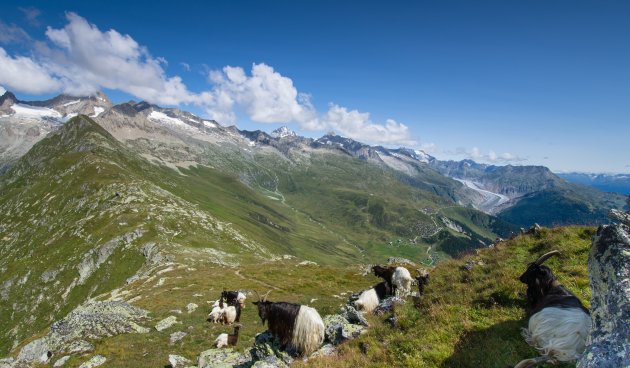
{"x": 283, "y": 132}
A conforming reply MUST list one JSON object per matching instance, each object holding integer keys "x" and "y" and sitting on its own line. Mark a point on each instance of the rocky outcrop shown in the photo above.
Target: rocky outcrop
{"x": 609, "y": 268}
{"x": 221, "y": 358}
{"x": 93, "y": 320}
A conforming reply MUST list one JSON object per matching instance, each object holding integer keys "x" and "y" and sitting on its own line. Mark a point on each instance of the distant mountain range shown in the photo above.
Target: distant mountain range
{"x": 617, "y": 183}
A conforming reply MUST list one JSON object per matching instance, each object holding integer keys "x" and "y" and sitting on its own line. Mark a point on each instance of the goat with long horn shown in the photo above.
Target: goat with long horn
{"x": 293, "y": 324}
{"x": 558, "y": 324}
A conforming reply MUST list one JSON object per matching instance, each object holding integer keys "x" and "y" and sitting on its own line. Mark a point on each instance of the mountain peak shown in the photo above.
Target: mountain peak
{"x": 8, "y": 96}
{"x": 283, "y": 132}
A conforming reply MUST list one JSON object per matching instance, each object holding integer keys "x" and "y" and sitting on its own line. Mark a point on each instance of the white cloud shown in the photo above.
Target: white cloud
{"x": 2, "y": 90}
{"x": 10, "y": 33}
{"x": 22, "y": 74}
{"x": 491, "y": 157}
{"x": 86, "y": 59}
{"x": 358, "y": 125}
{"x": 265, "y": 95}
{"x": 185, "y": 66}
{"x": 430, "y": 148}
{"x": 269, "y": 97}
{"x": 80, "y": 59}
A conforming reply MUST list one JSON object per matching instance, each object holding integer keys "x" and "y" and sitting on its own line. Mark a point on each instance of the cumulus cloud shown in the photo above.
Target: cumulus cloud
{"x": 23, "y": 74}
{"x": 85, "y": 59}
{"x": 80, "y": 59}
{"x": 477, "y": 155}
{"x": 353, "y": 123}
{"x": 269, "y": 97}
{"x": 2, "y": 90}
{"x": 265, "y": 95}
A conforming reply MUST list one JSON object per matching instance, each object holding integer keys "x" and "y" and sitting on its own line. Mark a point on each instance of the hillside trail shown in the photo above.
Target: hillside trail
{"x": 238, "y": 273}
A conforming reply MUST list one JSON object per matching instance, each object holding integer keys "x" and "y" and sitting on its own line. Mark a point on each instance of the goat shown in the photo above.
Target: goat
{"x": 423, "y": 280}
{"x": 558, "y": 324}
{"x": 228, "y": 340}
{"x": 296, "y": 325}
{"x": 397, "y": 277}
{"x": 225, "y": 314}
{"x": 369, "y": 299}
{"x": 233, "y": 297}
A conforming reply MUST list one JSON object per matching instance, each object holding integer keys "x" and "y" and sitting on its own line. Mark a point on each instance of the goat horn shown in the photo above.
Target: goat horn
{"x": 546, "y": 256}
{"x": 266, "y": 295}
{"x": 258, "y": 295}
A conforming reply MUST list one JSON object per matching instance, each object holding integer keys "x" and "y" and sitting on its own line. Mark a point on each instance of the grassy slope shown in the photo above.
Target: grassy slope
{"x": 472, "y": 319}
{"x": 317, "y": 286}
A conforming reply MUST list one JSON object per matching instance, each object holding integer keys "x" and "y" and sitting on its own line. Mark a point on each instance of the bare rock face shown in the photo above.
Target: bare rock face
{"x": 94, "y": 320}
{"x": 609, "y": 270}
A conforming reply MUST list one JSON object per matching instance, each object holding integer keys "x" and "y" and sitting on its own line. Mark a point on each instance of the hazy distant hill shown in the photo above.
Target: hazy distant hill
{"x": 618, "y": 183}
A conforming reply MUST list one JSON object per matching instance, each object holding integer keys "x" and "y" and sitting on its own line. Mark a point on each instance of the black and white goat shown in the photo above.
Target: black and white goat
{"x": 223, "y": 312}
{"x": 398, "y": 278}
{"x": 233, "y": 297}
{"x": 369, "y": 299}
{"x": 228, "y": 339}
{"x": 558, "y": 324}
{"x": 294, "y": 325}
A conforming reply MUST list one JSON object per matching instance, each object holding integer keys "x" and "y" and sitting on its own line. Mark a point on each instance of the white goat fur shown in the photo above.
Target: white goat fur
{"x": 308, "y": 331}
{"x": 229, "y": 315}
{"x": 368, "y": 301}
{"x": 241, "y": 299}
{"x": 558, "y": 333}
{"x": 225, "y": 315}
{"x": 215, "y": 314}
{"x": 402, "y": 280}
{"x": 221, "y": 341}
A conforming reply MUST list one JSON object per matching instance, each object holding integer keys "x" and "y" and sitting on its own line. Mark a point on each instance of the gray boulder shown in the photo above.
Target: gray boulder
{"x": 166, "y": 323}
{"x": 387, "y": 305}
{"x": 338, "y": 329}
{"x": 266, "y": 347}
{"x": 609, "y": 270}
{"x": 353, "y": 316}
{"x": 221, "y": 358}
{"x": 96, "y": 361}
{"x": 178, "y": 361}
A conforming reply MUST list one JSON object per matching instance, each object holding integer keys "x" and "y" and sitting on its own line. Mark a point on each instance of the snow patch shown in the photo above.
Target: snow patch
{"x": 97, "y": 111}
{"x": 163, "y": 118}
{"x": 71, "y": 103}
{"x": 69, "y": 116}
{"x": 29, "y": 111}
{"x": 209, "y": 124}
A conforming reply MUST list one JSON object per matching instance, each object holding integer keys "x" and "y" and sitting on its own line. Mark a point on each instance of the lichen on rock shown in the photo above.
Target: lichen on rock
{"x": 609, "y": 270}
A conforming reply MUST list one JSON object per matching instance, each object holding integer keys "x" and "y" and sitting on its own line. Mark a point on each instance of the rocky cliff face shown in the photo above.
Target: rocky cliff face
{"x": 609, "y": 269}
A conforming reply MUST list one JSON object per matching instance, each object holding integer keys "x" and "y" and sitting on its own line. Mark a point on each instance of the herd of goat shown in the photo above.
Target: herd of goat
{"x": 557, "y": 327}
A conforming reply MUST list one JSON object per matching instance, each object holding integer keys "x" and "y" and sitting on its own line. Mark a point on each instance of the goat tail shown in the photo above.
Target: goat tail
{"x": 527, "y": 363}
{"x": 308, "y": 331}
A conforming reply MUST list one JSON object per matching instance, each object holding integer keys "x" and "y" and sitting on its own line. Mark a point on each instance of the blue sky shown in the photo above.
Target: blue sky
{"x": 520, "y": 82}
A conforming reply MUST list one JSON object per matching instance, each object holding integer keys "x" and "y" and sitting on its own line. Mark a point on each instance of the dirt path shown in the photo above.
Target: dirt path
{"x": 238, "y": 273}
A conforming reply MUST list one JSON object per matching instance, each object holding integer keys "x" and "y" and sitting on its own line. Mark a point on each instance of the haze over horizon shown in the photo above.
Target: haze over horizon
{"x": 504, "y": 83}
